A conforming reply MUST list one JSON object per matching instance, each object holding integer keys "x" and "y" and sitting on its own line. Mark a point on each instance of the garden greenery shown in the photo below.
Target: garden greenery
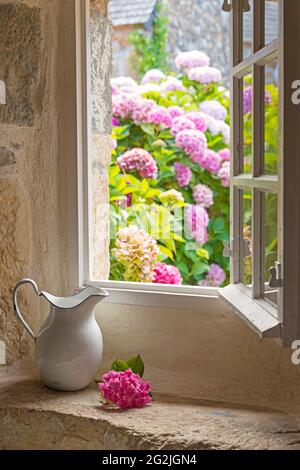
{"x": 151, "y": 48}
{"x": 169, "y": 176}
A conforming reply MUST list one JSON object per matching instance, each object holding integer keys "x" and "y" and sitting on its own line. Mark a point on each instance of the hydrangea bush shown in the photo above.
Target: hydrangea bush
{"x": 169, "y": 177}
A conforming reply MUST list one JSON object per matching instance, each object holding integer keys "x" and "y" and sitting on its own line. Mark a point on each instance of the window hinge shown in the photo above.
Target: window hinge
{"x": 276, "y": 276}
{"x": 238, "y": 5}
{"x": 228, "y": 248}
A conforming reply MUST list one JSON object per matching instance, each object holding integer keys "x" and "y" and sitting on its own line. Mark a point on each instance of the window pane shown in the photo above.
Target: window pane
{"x": 247, "y": 235}
{"x": 247, "y": 32}
{"x": 271, "y": 20}
{"x": 248, "y": 122}
{"x": 271, "y": 119}
{"x": 270, "y": 238}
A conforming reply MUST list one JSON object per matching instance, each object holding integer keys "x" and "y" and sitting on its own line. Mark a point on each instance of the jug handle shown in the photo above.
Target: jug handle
{"x": 16, "y": 306}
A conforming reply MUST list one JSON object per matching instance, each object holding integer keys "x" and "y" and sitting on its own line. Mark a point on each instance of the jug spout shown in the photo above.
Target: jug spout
{"x": 89, "y": 296}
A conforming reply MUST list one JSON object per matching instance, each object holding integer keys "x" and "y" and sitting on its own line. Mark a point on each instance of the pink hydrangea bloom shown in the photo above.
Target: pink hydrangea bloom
{"x": 203, "y": 195}
{"x": 193, "y": 142}
{"x": 172, "y": 84}
{"x": 183, "y": 175}
{"x": 215, "y": 277}
{"x": 148, "y": 88}
{"x": 211, "y": 161}
{"x": 214, "y": 109}
{"x": 181, "y": 123}
{"x": 153, "y": 76}
{"x": 141, "y": 110}
{"x": 224, "y": 174}
{"x": 123, "y": 105}
{"x": 115, "y": 121}
{"x": 198, "y": 119}
{"x": 191, "y": 59}
{"x": 160, "y": 117}
{"x": 125, "y": 389}
{"x": 247, "y": 98}
{"x": 197, "y": 221}
{"x": 166, "y": 274}
{"x": 138, "y": 160}
{"x": 114, "y": 143}
{"x": 123, "y": 82}
{"x": 175, "y": 111}
{"x": 225, "y": 155}
{"x": 205, "y": 75}
{"x": 219, "y": 127}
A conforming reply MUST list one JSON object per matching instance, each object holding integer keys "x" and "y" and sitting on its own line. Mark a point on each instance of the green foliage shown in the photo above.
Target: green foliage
{"x": 136, "y": 364}
{"x": 152, "y": 49}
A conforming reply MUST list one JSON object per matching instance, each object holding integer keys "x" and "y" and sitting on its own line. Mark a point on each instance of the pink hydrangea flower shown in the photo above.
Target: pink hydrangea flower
{"x": 123, "y": 82}
{"x": 196, "y": 223}
{"x": 191, "y": 59}
{"x": 138, "y": 160}
{"x": 224, "y": 174}
{"x": 205, "y": 75}
{"x": 172, "y": 84}
{"x": 125, "y": 389}
{"x": 114, "y": 143}
{"x": 214, "y": 109}
{"x": 247, "y": 98}
{"x": 115, "y": 121}
{"x": 198, "y": 119}
{"x": 181, "y": 123}
{"x": 219, "y": 127}
{"x": 148, "y": 88}
{"x": 123, "y": 105}
{"x": 153, "y": 76}
{"x": 160, "y": 117}
{"x": 193, "y": 143}
{"x": 203, "y": 195}
{"x": 141, "y": 110}
{"x": 183, "y": 175}
{"x": 215, "y": 278}
{"x": 211, "y": 161}
{"x": 225, "y": 155}
{"x": 166, "y": 274}
{"x": 175, "y": 111}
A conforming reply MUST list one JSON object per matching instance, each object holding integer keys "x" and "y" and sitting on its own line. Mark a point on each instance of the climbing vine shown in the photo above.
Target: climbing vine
{"x": 151, "y": 48}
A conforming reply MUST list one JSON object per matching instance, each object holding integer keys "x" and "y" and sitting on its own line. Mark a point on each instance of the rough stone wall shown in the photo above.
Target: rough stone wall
{"x": 101, "y": 70}
{"x": 37, "y": 65}
{"x": 199, "y": 24}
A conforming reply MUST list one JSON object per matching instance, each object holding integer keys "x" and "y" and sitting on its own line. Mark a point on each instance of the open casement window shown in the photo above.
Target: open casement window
{"x": 265, "y": 212}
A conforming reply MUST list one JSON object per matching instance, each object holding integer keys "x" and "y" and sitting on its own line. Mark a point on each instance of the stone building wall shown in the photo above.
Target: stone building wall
{"x": 37, "y": 139}
{"x": 200, "y": 24}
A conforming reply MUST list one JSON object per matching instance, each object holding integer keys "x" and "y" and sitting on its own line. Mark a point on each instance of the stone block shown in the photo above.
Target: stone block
{"x": 20, "y": 39}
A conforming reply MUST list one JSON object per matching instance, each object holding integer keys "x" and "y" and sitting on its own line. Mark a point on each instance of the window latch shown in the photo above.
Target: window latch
{"x": 276, "y": 276}
{"x": 239, "y": 5}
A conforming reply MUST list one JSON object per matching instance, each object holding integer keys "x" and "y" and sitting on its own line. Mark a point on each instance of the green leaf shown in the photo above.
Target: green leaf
{"x": 136, "y": 364}
{"x": 148, "y": 129}
{"x": 167, "y": 252}
{"x": 119, "y": 366}
{"x": 199, "y": 268}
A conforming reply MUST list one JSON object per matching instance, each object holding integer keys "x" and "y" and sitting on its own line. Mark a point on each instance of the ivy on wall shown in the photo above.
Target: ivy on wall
{"x": 151, "y": 49}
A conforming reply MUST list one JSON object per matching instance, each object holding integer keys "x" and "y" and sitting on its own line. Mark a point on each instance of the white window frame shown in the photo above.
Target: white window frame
{"x": 281, "y": 323}
{"x": 201, "y": 299}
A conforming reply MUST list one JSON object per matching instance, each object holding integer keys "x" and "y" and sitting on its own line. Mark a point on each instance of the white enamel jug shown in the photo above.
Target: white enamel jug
{"x": 69, "y": 345}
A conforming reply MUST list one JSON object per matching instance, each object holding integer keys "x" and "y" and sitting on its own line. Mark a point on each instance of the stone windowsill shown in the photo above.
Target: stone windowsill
{"x": 34, "y": 417}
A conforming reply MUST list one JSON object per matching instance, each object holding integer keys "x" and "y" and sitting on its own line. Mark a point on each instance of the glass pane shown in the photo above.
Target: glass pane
{"x": 247, "y": 31}
{"x": 247, "y": 234}
{"x": 248, "y": 122}
{"x": 271, "y": 20}
{"x": 270, "y": 241}
{"x": 271, "y": 119}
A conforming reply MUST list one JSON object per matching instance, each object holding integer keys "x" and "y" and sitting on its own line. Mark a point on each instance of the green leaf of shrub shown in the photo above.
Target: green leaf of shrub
{"x": 136, "y": 364}
{"x": 119, "y": 366}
